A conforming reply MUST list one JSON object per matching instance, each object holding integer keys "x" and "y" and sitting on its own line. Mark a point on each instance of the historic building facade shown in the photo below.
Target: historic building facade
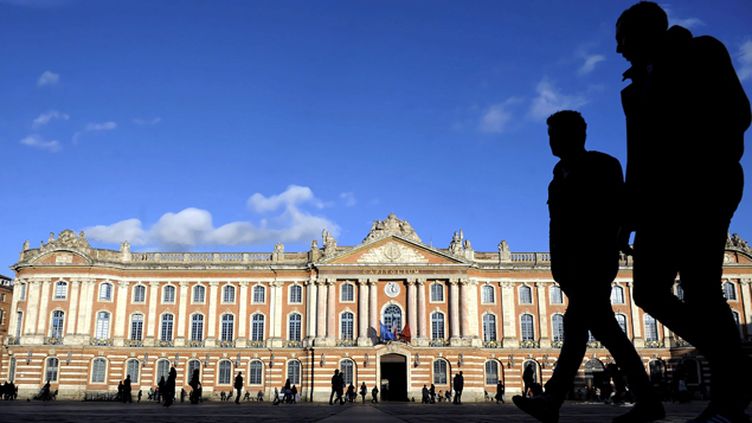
{"x": 83, "y": 318}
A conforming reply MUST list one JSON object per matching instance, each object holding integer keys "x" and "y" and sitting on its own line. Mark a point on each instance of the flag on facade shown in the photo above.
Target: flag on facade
{"x": 406, "y": 336}
{"x": 386, "y": 334}
{"x": 395, "y": 331}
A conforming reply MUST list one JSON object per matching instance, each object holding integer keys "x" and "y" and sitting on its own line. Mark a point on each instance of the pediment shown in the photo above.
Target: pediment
{"x": 394, "y": 250}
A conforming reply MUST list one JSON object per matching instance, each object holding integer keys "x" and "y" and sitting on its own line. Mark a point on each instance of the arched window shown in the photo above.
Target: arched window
{"x": 259, "y": 294}
{"x": 199, "y": 294}
{"x": 61, "y": 290}
{"x": 197, "y": 327}
{"x": 557, "y": 323}
{"x": 492, "y": 372}
{"x": 257, "y": 327}
{"x": 132, "y": 369}
{"x": 489, "y": 327}
{"x": 168, "y": 294}
{"x": 58, "y": 321}
{"x": 528, "y": 330}
{"x": 50, "y": 374}
{"x": 526, "y": 295}
{"x": 651, "y": 328}
{"x": 105, "y": 292}
{"x": 139, "y": 294}
{"x": 192, "y": 366}
{"x": 293, "y": 372}
{"x": 19, "y": 323}
{"x": 392, "y": 317}
{"x": 439, "y": 372}
{"x": 225, "y": 372}
{"x": 622, "y": 321}
{"x": 296, "y": 294}
{"x": 487, "y": 296}
{"x": 347, "y": 294}
{"x": 137, "y": 327}
{"x": 163, "y": 370}
{"x": 257, "y": 370}
{"x": 555, "y": 294}
{"x": 617, "y": 295}
{"x": 293, "y": 332}
{"x": 102, "y": 330}
{"x": 167, "y": 324}
{"x": 346, "y": 368}
{"x": 437, "y": 293}
{"x": 729, "y": 292}
{"x": 346, "y": 325}
{"x": 437, "y": 325}
{"x": 98, "y": 370}
{"x": 228, "y": 327}
{"x": 228, "y": 294}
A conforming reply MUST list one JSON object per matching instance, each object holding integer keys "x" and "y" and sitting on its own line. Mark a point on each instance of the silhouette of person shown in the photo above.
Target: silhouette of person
{"x": 459, "y": 385}
{"x": 363, "y": 391}
{"x": 686, "y": 115}
{"x": 127, "y": 397}
{"x": 336, "y": 387}
{"x": 238, "y": 386}
{"x": 195, "y": 385}
{"x": 584, "y": 202}
{"x": 375, "y": 394}
{"x": 169, "y": 394}
{"x": 499, "y": 397}
{"x": 528, "y": 378}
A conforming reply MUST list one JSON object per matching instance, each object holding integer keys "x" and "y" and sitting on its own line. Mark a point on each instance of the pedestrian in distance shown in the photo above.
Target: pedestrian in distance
{"x": 127, "y": 390}
{"x": 363, "y": 391}
{"x": 459, "y": 385}
{"x": 238, "y": 386}
{"x": 375, "y": 395}
{"x": 499, "y": 392}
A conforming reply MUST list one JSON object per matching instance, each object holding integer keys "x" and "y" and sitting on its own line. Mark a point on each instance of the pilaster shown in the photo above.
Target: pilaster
{"x": 545, "y": 340}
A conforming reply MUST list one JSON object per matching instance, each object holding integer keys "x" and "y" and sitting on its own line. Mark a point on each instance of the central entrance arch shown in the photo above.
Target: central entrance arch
{"x": 393, "y": 384}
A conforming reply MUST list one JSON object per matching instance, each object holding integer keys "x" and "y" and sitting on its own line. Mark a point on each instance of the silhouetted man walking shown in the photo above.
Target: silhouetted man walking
{"x": 584, "y": 202}
{"x": 686, "y": 115}
{"x": 238, "y": 386}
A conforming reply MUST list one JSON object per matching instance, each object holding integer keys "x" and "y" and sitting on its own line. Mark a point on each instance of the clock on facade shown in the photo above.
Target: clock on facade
{"x": 392, "y": 289}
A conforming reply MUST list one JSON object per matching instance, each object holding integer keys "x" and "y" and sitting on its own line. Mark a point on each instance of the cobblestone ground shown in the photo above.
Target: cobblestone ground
{"x": 68, "y": 411}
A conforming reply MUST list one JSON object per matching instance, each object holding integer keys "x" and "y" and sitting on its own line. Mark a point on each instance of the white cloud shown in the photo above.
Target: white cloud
{"x": 689, "y": 22}
{"x": 147, "y": 121}
{"x": 590, "y": 61}
{"x": 549, "y": 100}
{"x": 192, "y": 227}
{"x": 48, "y": 78}
{"x": 745, "y": 60}
{"x": 495, "y": 119}
{"x": 348, "y": 198}
{"x": 36, "y": 141}
{"x": 45, "y": 118}
{"x": 94, "y": 127}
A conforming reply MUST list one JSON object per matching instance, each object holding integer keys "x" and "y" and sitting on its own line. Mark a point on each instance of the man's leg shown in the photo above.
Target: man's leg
{"x": 572, "y": 350}
{"x": 331, "y": 396}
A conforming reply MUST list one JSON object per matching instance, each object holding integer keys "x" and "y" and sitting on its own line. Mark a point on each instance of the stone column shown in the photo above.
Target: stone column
{"x": 471, "y": 288}
{"x": 412, "y": 306}
{"x": 32, "y": 307}
{"x": 243, "y": 315}
{"x": 321, "y": 312}
{"x": 211, "y": 332}
{"x": 373, "y": 306}
{"x": 634, "y": 319}
{"x": 82, "y": 307}
{"x": 509, "y": 327}
{"x": 545, "y": 339}
{"x": 152, "y": 320}
{"x": 14, "y": 309}
{"x": 331, "y": 322}
{"x": 454, "y": 313}
{"x": 120, "y": 314}
{"x": 182, "y": 317}
{"x": 88, "y": 309}
{"x": 363, "y": 340}
{"x": 44, "y": 299}
{"x": 423, "y": 335}
{"x": 276, "y": 311}
{"x": 311, "y": 309}
{"x": 71, "y": 316}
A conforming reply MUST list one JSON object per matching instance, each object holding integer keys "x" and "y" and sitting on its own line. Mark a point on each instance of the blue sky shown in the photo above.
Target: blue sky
{"x": 231, "y": 125}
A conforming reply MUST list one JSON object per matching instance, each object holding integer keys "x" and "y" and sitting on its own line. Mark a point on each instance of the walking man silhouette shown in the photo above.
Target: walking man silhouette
{"x": 686, "y": 114}
{"x": 238, "y": 386}
{"x": 584, "y": 202}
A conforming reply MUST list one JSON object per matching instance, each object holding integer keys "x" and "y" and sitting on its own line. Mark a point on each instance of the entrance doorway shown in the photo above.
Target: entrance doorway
{"x": 393, "y": 377}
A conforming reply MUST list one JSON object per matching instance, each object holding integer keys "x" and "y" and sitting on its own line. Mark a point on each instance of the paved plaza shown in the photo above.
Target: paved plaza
{"x": 69, "y": 411}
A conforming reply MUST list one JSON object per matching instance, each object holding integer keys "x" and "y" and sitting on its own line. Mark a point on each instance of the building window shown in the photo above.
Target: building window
{"x": 132, "y": 369}
{"x": 526, "y": 295}
{"x": 61, "y": 290}
{"x": 228, "y": 323}
{"x": 622, "y": 321}
{"x": 228, "y": 294}
{"x": 168, "y": 294}
{"x": 296, "y": 294}
{"x": 555, "y": 295}
{"x": 651, "y": 328}
{"x": 346, "y": 325}
{"x": 58, "y": 320}
{"x": 437, "y": 325}
{"x": 729, "y": 292}
{"x": 50, "y": 375}
{"x": 163, "y": 370}
{"x": 102, "y": 330}
{"x": 492, "y": 372}
{"x": 439, "y": 372}
{"x": 137, "y": 327}
{"x": 2, "y": 316}
{"x": 139, "y": 294}
{"x": 105, "y": 292}
{"x": 193, "y": 365}
{"x": 489, "y": 327}
{"x": 487, "y": 295}
{"x": 12, "y": 369}
{"x": 257, "y": 327}
{"x": 257, "y": 369}
{"x": 19, "y": 323}
{"x": 346, "y": 369}
{"x": 528, "y": 330}
{"x": 557, "y": 323}
{"x": 617, "y": 295}
{"x": 98, "y": 370}
{"x": 293, "y": 372}
{"x": 437, "y": 293}
{"x": 22, "y": 295}
{"x": 199, "y": 294}
{"x": 347, "y": 293}
{"x": 392, "y": 317}
{"x": 197, "y": 327}
{"x": 167, "y": 323}
{"x": 294, "y": 332}
{"x": 225, "y": 372}
{"x": 259, "y": 294}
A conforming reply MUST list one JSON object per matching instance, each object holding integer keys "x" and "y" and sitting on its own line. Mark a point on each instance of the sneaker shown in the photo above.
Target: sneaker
{"x": 541, "y": 407}
{"x": 642, "y": 412}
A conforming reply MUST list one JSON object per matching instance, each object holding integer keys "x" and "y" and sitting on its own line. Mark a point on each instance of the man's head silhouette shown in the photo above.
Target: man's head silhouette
{"x": 566, "y": 133}
{"x": 639, "y": 30}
